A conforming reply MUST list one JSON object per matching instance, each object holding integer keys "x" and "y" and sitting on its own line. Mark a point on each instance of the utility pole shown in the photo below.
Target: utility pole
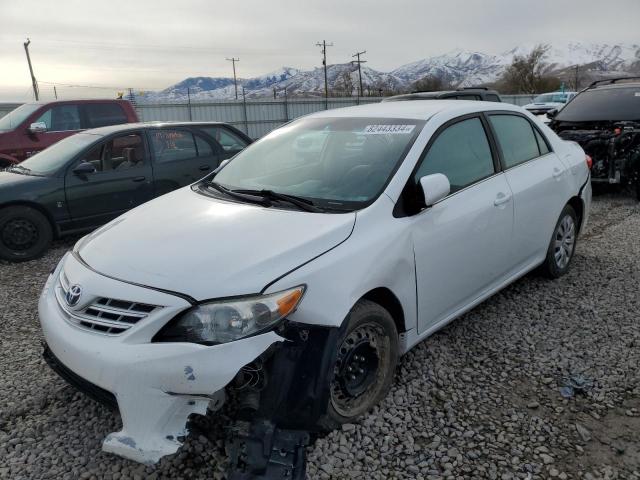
{"x": 358, "y": 61}
{"x": 577, "y": 77}
{"x": 235, "y": 81}
{"x": 324, "y": 46}
{"x": 33, "y": 78}
{"x": 55, "y": 92}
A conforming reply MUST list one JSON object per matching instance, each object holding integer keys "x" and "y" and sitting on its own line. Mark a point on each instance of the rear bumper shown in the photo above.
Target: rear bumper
{"x": 585, "y": 195}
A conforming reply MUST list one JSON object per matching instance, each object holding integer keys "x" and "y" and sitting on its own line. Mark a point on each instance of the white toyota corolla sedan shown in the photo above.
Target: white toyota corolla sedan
{"x": 293, "y": 277}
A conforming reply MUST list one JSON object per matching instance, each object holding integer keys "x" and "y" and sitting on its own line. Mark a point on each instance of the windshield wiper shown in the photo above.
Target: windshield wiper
{"x": 237, "y": 195}
{"x": 300, "y": 202}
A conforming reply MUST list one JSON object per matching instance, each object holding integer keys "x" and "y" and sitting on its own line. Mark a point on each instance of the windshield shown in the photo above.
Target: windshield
{"x": 15, "y": 117}
{"x": 334, "y": 162}
{"x": 53, "y": 158}
{"x": 551, "y": 98}
{"x": 603, "y": 104}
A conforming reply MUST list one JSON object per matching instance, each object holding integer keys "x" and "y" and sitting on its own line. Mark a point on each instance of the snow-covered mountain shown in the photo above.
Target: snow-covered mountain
{"x": 457, "y": 67}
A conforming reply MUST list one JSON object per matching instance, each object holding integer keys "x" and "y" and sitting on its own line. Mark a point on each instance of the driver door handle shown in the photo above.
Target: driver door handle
{"x": 557, "y": 173}
{"x": 139, "y": 179}
{"x": 501, "y": 199}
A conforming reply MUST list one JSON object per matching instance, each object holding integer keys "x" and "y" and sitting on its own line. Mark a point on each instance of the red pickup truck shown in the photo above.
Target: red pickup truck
{"x": 35, "y": 126}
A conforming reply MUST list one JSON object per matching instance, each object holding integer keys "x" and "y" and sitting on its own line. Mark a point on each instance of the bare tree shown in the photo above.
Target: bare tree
{"x": 430, "y": 83}
{"x": 344, "y": 85}
{"x": 529, "y": 73}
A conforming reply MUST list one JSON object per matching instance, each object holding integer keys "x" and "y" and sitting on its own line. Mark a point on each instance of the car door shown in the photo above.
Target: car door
{"x": 534, "y": 173}
{"x": 180, "y": 157}
{"x": 123, "y": 180}
{"x": 461, "y": 243}
{"x": 61, "y": 121}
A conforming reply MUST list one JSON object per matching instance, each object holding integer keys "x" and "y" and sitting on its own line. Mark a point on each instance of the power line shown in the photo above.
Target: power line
{"x": 358, "y": 61}
{"x": 324, "y": 46}
{"x": 110, "y": 45}
{"x": 235, "y": 80}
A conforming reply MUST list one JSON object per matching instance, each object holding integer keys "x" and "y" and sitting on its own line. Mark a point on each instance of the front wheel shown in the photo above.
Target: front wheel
{"x": 367, "y": 356}
{"x": 562, "y": 245}
{"x": 25, "y": 233}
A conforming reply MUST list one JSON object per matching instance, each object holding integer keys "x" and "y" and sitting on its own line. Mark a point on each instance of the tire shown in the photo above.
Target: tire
{"x": 25, "y": 233}
{"x": 369, "y": 345}
{"x": 562, "y": 245}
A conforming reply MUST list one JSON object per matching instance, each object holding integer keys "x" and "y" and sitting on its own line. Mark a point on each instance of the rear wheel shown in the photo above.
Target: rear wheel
{"x": 25, "y": 233}
{"x": 562, "y": 245}
{"x": 366, "y": 361}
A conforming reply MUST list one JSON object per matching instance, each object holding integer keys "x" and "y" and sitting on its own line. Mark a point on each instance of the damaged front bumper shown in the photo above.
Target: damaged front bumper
{"x": 157, "y": 386}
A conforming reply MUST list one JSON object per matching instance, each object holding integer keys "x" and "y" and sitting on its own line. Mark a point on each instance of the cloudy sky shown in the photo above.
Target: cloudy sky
{"x": 151, "y": 44}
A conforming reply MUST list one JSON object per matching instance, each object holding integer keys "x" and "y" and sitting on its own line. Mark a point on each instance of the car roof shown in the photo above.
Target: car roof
{"x": 608, "y": 86}
{"x": 78, "y": 100}
{"x": 415, "y": 109}
{"x": 123, "y": 127}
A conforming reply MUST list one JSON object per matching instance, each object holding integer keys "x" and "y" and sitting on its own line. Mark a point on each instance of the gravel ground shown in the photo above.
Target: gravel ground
{"x": 480, "y": 399}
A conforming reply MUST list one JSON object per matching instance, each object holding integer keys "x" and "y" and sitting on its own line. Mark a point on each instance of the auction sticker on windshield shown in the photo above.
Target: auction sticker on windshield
{"x": 385, "y": 129}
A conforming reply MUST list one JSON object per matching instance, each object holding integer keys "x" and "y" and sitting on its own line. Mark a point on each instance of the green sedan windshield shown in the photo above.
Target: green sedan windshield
{"x": 56, "y": 156}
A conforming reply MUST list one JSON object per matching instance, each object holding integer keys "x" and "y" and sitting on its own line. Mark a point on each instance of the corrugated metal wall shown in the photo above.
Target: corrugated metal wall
{"x": 254, "y": 117}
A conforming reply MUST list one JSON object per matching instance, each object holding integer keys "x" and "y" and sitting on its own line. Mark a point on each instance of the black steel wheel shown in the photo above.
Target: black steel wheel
{"x": 25, "y": 233}
{"x": 366, "y": 360}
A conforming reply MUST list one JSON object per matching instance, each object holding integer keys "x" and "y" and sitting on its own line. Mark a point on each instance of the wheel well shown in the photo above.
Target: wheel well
{"x": 37, "y": 207}
{"x": 386, "y": 299}
{"x": 578, "y": 206}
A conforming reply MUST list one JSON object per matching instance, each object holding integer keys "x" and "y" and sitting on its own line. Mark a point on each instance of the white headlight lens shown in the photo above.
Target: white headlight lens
{"x": 226, "y": 321}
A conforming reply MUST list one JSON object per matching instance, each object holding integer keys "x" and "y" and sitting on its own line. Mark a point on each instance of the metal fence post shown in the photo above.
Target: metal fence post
{"x": 244, "y": 109}
{"x": 286, "y": 105}
{"x": 189, "y": 103}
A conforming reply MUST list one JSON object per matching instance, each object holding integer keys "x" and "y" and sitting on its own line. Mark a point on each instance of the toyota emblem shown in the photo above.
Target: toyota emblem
{"x": 73, "y": 295}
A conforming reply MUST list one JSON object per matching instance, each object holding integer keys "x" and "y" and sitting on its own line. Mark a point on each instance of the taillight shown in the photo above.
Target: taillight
{"x": 589, "y": 161}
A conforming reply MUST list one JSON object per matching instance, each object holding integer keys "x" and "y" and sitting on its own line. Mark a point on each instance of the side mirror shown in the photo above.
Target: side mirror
{"x": 435, "y": 187}
{"x": 552, "y": 113}
{"x": 38, "y": 127}
{"x": 84, "y": 168}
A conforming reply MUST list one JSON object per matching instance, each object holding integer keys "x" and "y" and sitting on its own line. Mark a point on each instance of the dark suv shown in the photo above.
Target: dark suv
{"x": 88, "y": 179}
{"x": 469, "y": 93}
{"x": 35, "y": 126}
{"x": 604, "y": 119}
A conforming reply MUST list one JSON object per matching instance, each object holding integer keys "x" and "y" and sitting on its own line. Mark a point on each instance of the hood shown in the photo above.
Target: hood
{"x": 210, "y": 248}
{"x": 9, "y": 179}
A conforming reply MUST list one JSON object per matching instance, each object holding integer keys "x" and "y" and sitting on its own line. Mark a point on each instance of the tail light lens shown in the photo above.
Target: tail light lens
{"x": 589, "y": 161}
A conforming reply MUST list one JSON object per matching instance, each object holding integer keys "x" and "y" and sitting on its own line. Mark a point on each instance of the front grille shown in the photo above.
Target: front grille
{"x": 97, "y": 393}
{"x": 110, "y": 316}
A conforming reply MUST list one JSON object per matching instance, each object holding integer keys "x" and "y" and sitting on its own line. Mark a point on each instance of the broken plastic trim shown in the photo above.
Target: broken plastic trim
{"x": 270, "y": 443}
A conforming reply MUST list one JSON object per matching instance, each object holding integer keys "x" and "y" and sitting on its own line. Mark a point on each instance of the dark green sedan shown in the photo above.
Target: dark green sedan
{"x": 87, "y": 179}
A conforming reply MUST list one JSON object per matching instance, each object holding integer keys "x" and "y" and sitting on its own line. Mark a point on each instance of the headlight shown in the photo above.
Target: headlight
{"x": 229, "y": 320}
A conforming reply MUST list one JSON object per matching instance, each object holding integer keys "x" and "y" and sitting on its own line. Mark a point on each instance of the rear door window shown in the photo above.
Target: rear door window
{"x": 516, "y": 138}
{"x": 228, "y": 141}
{"x": 204, "y": 149}
{"x": 61, "y": 118}
{"x": 490, "y": 97}
{"x": 172, "y": 145}
{"x": 461, "y": 152}
{"x": 103, "y": 114}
